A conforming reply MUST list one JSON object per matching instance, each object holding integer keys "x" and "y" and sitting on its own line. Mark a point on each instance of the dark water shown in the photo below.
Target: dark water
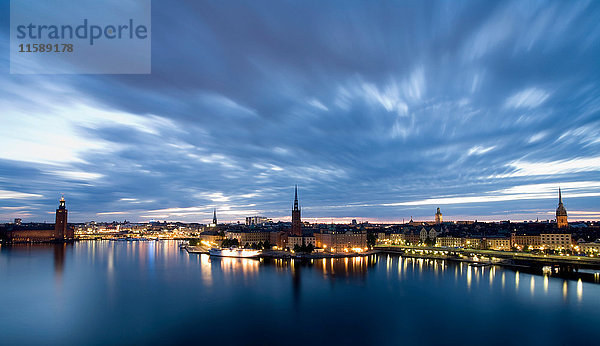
{"x": 153, "y": 293}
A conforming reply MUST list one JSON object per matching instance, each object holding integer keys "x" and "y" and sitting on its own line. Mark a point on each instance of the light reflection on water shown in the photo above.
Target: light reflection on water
{"x": 138, "y": 285}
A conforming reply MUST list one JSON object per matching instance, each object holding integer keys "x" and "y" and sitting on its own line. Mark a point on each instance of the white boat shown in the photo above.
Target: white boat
{"x": 234, "y": 252}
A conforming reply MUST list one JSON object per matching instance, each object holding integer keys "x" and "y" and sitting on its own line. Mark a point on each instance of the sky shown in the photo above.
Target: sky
{"x": 377, "y": 110}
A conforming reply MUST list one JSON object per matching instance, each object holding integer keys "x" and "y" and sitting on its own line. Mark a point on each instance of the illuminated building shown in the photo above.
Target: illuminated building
{"x": 278, "y": 239}
{"x": 534, "y": 241}
{"x": 60, "y": 227}
{"x": 341, "y": 241}
{"x": 412, "y": 238}
{"x": 497, "y": 243}
{"x": 473, "y": 243}
{"x": 449, "y": 241}
{"x": 561, "y": 213}
{"x": 556, "y": 241}
{"x": 294, "y": 240}
{"x": 592, "y": 248}
{"x": 248, "y": 237}
{"x": 41, "y": 232}
{"x": 296, "y": 223}
{"x": 438, "y": 217}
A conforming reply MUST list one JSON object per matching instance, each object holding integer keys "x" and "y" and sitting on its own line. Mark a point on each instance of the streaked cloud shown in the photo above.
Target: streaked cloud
{"x": 521, "y": 168}
{"x": 381, "y": 113}
{"x": 4, "y": 194}
{"x": 528, "y": 98}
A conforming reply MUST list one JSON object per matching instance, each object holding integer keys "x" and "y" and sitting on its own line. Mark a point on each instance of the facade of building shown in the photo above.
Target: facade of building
{"x": 392, "y": 238}
{"x": 294, "y": 240}
{"x": 449, "y": 241}
{"x": 535, "y": 241}
{"x": 296, "y": 223}
{"x": 556, "y": 241}
{"x": 473, "y": 243}
{"x": 561, "y": 213}
{"x": 248, "y": 237}
{"x": 342, "y": 241}
{"x": 211, "y": 236}
{"x": 590, "y": 248}
{"x": 423, "y": 234}
{"x": 498, "y": 243}
{"x": 412, "y": 238}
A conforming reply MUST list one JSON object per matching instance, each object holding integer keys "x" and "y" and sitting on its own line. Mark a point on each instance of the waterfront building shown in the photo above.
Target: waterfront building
{"x": 397, "y": 238}
{"x": 561, "y": 213}
{"x": 412, "y": 238}
{"x": 473, "y": 243}
{"x": 279, "y": 239}
{"x": 294, "y": 240}
{"x": 211, "y": 236}
{"x": 556, "y": 241}
{"x": 591, "y": 248}
{"x": 438, "y": 217}
{"x": 34, "y": 233}
{"x": 342, "y": 241}
{"x": 497, "y": 243}
{"x": 60, "y": 227}
{"x": 523, "y": 240}
{"x": 392, "y": 238}
{"x": 449, "y": 241}
{"x": 248, "y": 237}
{"x": 296, "y": 223}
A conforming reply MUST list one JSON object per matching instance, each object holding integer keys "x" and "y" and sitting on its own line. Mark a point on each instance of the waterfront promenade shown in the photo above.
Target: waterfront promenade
{"x": 572, "y": 262}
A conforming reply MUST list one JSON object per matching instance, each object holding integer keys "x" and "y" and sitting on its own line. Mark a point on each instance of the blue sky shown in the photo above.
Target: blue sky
{"x": 378, "y": 111}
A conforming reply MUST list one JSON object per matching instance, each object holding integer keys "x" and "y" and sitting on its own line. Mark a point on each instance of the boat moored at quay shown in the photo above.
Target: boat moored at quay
{"x": 234, "y": 252}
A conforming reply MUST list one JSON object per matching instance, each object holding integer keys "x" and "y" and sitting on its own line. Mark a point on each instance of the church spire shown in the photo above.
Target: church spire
{"x": 559, "y": 196}
{"x": 296, "y": 223}
{"x": 215, "y": 216}
{"x": 296, "y": 197}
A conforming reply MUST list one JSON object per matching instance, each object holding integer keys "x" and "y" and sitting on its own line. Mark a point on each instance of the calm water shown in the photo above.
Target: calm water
{"x": 151, "y": 292}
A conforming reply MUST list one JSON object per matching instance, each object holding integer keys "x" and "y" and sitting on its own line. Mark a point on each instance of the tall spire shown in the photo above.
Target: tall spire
{"x": 296, "y": 223}
{"x": 215, "y": 216}
{"x": 559, "y": 196}
{"x": 296, "y": 198}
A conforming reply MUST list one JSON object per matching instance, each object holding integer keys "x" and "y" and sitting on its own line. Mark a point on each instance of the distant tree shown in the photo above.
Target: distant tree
{"x": 371, "y": 239}
{"x": 429, "y": 242}
{"x": 310, "y": 248}
{"x": 297, "y": 248}
{"x": 230, "y": 243}
{"x": 267, "y": 245}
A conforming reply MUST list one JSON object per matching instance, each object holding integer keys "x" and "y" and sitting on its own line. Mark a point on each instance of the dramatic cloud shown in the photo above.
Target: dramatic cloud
{"x": 377, "y": 111}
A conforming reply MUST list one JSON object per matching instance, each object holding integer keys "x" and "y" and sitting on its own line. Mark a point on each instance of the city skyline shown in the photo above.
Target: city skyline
{"x": 378, "y": 114}
{"x": 295, "y": 215}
